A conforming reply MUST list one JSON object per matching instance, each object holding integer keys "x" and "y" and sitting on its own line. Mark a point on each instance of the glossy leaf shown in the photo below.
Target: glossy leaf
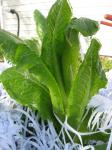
{"x": 70, "y": 58}
{"x": 62, "y": 21}
{"x": 71, "y": 55}
{"x": 85, "y": 26}
{"x": 27, "y": 60}
{"x": 41, "y": 73}
{"x": 9, "y": 43}
{"x": 57, "y": 21}
{"x": 25, "y": 56}
{"x": 27, "y": 91}
{"x": 34, "y": 45}
{"x": 89, "y": 80}
{"x": 47, "y": 48}
{"x": 53, "y": 43}
{"x": 40, "y": 24}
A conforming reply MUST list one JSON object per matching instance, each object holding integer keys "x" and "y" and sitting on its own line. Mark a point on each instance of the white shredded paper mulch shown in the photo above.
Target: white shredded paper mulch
{"x": 22, "y": 129}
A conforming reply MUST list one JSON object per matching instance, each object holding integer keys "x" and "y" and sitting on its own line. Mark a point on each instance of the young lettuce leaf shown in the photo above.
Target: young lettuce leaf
{"x": 34, "y": 44}
{"x": 27, "y": 60}
{"x": 27, "y": 92}
{"x": 89, "y": 79}
{"x": 54, "y": 40}
{"x": 40, "y": 21}
{"x": 70, "y": 58}
{"x": 53, "y": 43}
{"x": 25, "y": 57}
{"x": 43, "y": 75}
{"x": 9, "y": 44}
{"x": 85, "y": 26}
{"x": 71, "y": 54}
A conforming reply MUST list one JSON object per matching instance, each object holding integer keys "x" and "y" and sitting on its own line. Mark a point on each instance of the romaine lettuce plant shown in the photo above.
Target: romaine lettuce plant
{"x": 47, "y": 74}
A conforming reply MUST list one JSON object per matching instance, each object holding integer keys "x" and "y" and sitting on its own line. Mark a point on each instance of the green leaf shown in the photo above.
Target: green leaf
{"x": 27, "y": 91}
{"x": 25, "y": 57}
{"x": 34, "y": 45}
{"x": 40, "y": 24}
{"x": 101, "y": 147}
{"x": 9, "y": 43}
{"x": 85, "y": 26}
{"x": 53, "y": 43}
{"x": 63, "y": 18}
{"x": 41, "y": 73}
{"x": 90, "y": 78}
{"x": 27, "y": 60}
{"x": 70, "y": 58}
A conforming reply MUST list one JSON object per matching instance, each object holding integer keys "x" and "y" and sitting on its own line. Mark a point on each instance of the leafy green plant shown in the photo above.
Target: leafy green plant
{"x": 47, "y": 74}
